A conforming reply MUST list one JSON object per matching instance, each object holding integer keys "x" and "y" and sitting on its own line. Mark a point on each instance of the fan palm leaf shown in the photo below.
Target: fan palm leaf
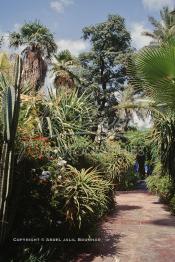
{"x": 154, "y": 73}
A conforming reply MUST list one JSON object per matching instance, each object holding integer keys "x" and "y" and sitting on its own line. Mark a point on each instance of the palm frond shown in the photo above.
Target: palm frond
{"x": 154, "y": 73}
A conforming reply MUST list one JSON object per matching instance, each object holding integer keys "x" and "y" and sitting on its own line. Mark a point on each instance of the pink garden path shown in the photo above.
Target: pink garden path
{"x": 140, "y": 229}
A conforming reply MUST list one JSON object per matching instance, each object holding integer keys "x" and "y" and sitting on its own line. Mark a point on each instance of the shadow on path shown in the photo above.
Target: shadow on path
{"x": 107, "y": 247}
{"x": 141, "y": 185}
{"x": 126, "y": 208}
{"x": 170, "y": 222}
{"x": 138, "y": 229}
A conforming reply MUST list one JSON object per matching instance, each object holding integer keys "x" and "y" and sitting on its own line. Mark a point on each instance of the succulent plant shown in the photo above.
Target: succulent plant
{"x": 10, "y": 108}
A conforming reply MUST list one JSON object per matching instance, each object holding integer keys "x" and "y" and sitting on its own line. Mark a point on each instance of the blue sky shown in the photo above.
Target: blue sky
{"x": 66, "y": 18}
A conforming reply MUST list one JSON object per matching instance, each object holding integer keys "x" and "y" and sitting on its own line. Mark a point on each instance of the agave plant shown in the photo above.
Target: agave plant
{"x": 11, "y": 107}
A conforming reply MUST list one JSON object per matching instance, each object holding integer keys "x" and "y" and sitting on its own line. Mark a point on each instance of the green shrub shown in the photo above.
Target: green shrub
{"x": 116, "y": 165}
{"x": 152, "y": 183}
{"x": 158, "y": 169}
{"x": 172, "y": 205}
{"x": 165, "y": 189}
{"x": 162, "y": 186}
{"x": 129, "y": 180}
{"x": 83, "y": 194}
{"x": 74, "y": 149}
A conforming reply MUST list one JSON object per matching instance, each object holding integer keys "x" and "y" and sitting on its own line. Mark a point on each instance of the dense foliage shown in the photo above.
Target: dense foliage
{"x": 162, "y": 186}
{"x": 73, "y": 144}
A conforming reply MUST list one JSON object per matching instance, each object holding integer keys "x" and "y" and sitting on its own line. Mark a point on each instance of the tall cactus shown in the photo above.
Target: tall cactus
{"x": 10, "y": 108}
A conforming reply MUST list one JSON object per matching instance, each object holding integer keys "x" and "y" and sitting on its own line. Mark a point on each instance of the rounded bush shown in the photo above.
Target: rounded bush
{"x": 84, "y": 195}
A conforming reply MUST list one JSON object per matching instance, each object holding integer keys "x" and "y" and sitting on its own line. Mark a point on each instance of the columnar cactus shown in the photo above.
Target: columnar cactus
{"x": 10, "y": 108}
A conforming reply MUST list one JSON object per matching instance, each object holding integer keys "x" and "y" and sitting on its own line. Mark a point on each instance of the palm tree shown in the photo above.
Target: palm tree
{"x": 154, "y": 72}
{"x": 127, "y": 107}
{"x": 163, "y": 29}
{"x": 65, "y": 70}
{"x": 39, "y": 45}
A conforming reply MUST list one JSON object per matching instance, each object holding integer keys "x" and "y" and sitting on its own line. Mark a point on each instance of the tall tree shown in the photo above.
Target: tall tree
{"x": 39, "y": 45}
{"x": 163, "y": 28}
{"x": 64, "y": 68}
{"x": 110, "y": 41}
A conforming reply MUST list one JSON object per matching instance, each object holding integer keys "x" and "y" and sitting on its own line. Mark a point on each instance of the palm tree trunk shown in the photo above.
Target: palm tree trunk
{"x": 34, "y": 69}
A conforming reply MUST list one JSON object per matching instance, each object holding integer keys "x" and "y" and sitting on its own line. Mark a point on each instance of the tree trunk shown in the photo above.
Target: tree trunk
{"x": 34, "y": 69}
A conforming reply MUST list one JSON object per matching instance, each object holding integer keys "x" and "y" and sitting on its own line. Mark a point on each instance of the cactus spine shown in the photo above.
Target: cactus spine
{"x": 10, "y": 108}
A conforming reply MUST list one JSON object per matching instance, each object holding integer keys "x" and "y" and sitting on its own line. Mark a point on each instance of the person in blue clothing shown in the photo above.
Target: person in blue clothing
{"x": 146, "y": 169}
{"x": 136, "y": 167}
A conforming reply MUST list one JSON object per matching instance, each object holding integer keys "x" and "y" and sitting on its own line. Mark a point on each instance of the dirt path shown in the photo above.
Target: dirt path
{"x": 139, "y": 230}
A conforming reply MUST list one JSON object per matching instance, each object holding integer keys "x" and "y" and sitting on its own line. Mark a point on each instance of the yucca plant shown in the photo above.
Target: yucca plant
{"x": 11, "y": 108}
{"x": 70, "y": 114}
{"x": 57, "y": 115}
{"x": 84, "y": 194}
